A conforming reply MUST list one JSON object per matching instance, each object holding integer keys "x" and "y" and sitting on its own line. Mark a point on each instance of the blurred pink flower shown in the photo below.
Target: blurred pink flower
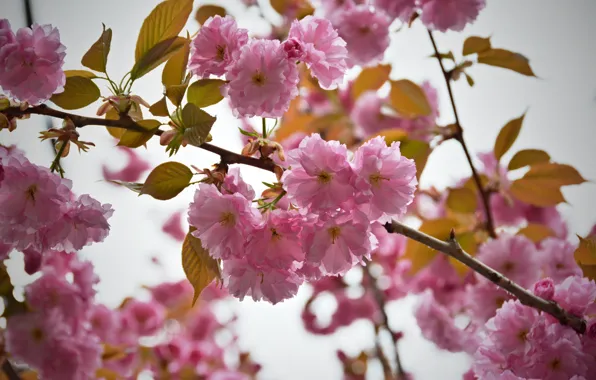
{"x": 131, "y": 172}
{"x": 173, "y": 226}
{"x": 443, "y": 15}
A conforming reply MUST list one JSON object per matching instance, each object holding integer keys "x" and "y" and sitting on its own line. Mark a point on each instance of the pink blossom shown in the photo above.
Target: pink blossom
{"x": 277, "y": 242}
{"x": 483, "y": 300}
{"x": 401, "y": 9}
{"x": 226, "y": 374}
{"x": 54, "y": 292}
{"x": 173, "y": 226}
{"x": 339, "y": 243}
{"x": 216, "y": 46}
{"x": 33, "y": 260}
{"x": 550, "y": 217}
{"x": 514, "y": 257}
{"x": 170, "y": 294}
{"x": 443, "y": 15}
{"x": 31, "y": 62}
{"x": 321, "y": 177}
{"x": 104, "y": 322}
{"x": 144, "y": 318}
{"x": 131, "y": 172}
{"x": 262, "y": 80}
{"x": 506, "y": 210}
{"x": 558, "y": 260}
{"x": 325, "y": 52}
{"x": 385, "y": 177}
{"x": 442, "y": 279}
{"x": 576, "y": 295}
{"x": 509, "y": 328}
{"x": 234, "y": 183}
{"x": 173, "y": 353}
{"x": 367, "y": 114}
{"x": 222, "y": 221}
{"x": 545, "y": 288}
{"x": 366, "y": 32}
{"x": 5, "y": 250}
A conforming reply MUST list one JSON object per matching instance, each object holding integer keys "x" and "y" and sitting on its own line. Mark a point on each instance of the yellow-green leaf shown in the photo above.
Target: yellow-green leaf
{"x": 370, "y": 79}
{"x": 134, "y": 139}
{"x": 462, "y": 200}
{"x": 554, "y": 175}
{"x": 167, "y": 180}
{"x": 468, "y": 243}
{"x": 421, "y": 255}
{"x": 96, "y": 57}
{"x": 197, "y": 124}
{"x": 418, "y": 151}
{"x": 536, "y": 232}
{"x": 408, "y": 99}
{"x": 133, "y": 186}
{"x": 586, "y": 251}
{"x": 507, "y": 136}
{"x": 107, "y": 374}
{"x": 157, "y": 55}
{"x": 206, "y": 11}
{"x": 164, "y": 22}
{"x": 159, "y": 108}
{"x": 174, "y": 72}
{"x": 528, "y": 157}
{"x": 79, "y": 73}
{"x": 534, "y": 192}
{"x": 78, "y": 92}
{"x": 200, "y": 268}
{"x": 507, "y": 60}
{"x": 475, "y": 44}
{"x": 205, "y": 92}
{"x": 294, "y": 8}
{"x": 115, "y": 132}
{"x": 176, "y": 92}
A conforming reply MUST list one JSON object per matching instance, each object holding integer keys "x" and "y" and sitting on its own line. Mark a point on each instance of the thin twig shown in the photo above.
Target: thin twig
{"x": 459, "y": 136}
{"x": 9, "y": 370}
{"x": 226, "y": 156}
{"x": 453, "y": 249}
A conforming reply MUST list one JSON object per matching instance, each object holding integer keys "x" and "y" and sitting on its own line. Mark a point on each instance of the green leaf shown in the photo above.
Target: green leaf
{"x": 200, "y": 268}
{"x": 528, "y": 157}
{"x": 408, "y": 99}
{"x": 299, "y": 8}
{"x": 507, "y": 60}
{"x": 370, "y": 79}
{"x": 96, "y": 57}
{"x": 536, "y": 232}
{"x": 159, "y": 108}
{"x": 205, "y": 92}
{"x": 554, "y": 175}
{"x": 462, "y": 200}
{"x": 197, "y": 124}
{"x": 176, "y": 92}
{"x": 134, "y": 139}
{"x": 157, "y": 55}
{"x": 167, "y": 180}
{"x": 79, "y": 73}
{"x": 475, "y": 44}
{"x": 507, "y": 136}
{"x": 206, "y": 11}
{"x": 174, "y": 72}
{"x": 78, "y": 92}
{"x": 533, "y": 192}
{"x": 421, "y": 255}
{"x": 164, "y": 22}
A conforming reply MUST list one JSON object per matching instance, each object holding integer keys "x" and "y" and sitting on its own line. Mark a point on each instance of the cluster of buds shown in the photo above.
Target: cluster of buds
{"x": 64, "y": 136}
{"x": 123, "y": 105}
{"x": 10, "y": 122}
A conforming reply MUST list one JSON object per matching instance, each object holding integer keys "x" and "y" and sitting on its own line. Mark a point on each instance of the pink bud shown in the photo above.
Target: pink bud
{"x": 545, "y": 288}
{"x": 167, "y": 137}
{"x": 293, "y": 49}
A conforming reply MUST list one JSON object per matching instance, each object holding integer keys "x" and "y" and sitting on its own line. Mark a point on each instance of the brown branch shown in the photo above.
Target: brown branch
{"x": 459, "y": 136}
{"x": 227, "y": 157}
{"x": 381, "y": 303}
{"x": 9, "y": 370}
{"x": 453, "y": 249}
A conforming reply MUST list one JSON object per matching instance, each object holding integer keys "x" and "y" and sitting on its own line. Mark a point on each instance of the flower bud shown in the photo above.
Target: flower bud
{"x": 167, "y": 137}
{"x": 545, "y": 288}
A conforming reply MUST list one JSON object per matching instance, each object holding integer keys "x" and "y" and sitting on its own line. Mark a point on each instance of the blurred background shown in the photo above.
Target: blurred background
{"x": 561, "y": 116}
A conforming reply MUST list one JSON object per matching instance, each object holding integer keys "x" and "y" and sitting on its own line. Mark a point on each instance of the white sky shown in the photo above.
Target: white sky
{"x": 561, "y": 105}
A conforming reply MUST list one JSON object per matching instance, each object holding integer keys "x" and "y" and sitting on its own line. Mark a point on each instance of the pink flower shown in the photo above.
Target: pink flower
{"x": 234, "y": 183}
{"x": 54, "y": 292}
{"x": 222, "y": 221}
{"x": 129, "y": 173}
{"x": 104, "y": 322}
{"x": 31, "y": 62}
{"x": 277, "y": 242}
{"x": 216, "y": 46}
{"x": 325, "y": 52}
{"x": 443, "y": 15}
{"x": 545, "y": 288}
{"x": 513, "y": 256}
{"x": 170, "y": 294}
{"x": 144, "y": 318}
{"x": 173, "y": 354}
{"x": 321, "y": 177}
{"x": 558, "y": 260}
{"x": 483, "y": 300}
{"x": 576, "y": 295}
{"x": 339, "y": 242}
{"x": 262, "y": 80}
{"x": 387, "y": 179}
{"x": 550, "y": 217}
{"x": 367, "y": 114}
{"x": 366, "y": 32}
{"x": 5, "y": 250}
{"x": 509, "y": 328}
{"x": 401, "y": 9}
{"x": 173, "y": 226}
{"x": 506, "y": 210}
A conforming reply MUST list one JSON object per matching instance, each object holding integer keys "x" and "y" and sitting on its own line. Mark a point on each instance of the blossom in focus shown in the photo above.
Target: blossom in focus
{"x": 234, "y": 183}
{"x": 31, "y": 62}
{"x": 577, "y": 295}
{"x": 262, "y": 80}
{"x": 443, "y": 15}
{"x": 216, "y": 46}
{"x": 325, "y": 52}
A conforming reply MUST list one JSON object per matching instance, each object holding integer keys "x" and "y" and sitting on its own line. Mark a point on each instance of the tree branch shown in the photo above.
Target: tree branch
{"x": 226, "y": 156}
{"x": 453, "y": 249}
{"x": 459, "y": 136}
{"x": 9, "y": 370}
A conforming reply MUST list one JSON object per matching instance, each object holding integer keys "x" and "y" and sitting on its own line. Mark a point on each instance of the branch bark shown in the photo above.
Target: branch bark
{"x": 453, "y": 249}
{"x": 226, "y": 156}
{"x": 459, "y": 136}
{"x": 9, "y": 370}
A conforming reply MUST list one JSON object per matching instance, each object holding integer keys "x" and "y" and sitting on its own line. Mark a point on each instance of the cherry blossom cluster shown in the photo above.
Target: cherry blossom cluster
{"x": 322, "y": 226}
{"x": 39, "y": 213}
{"x": 31, "y": 62}
{"x": 262, "y": 75}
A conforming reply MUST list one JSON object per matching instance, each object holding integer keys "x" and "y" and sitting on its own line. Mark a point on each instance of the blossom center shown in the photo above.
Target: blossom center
{"x": 522, "y": 335}
{"x": 324, "y": 177}
{"x": 227, "y": 219}
{"x": 508, "y": 266}
{"x": 221, "y": 52}
{"x": 275, "y": 236}
{"x": 499, "y": 301}
{"x": 375, "y": 179}
{"x": 555, "y": 364}
{"x": 334, "y": 232}
{"x": 30, "y": 192}
{"x": 258, "y": 79}
{"x": 364, "y": 30}
{"x": 37, "y": 334}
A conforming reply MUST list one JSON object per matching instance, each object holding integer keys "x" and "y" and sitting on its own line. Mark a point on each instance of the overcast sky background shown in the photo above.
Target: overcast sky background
{"x": 555, "y": 36}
